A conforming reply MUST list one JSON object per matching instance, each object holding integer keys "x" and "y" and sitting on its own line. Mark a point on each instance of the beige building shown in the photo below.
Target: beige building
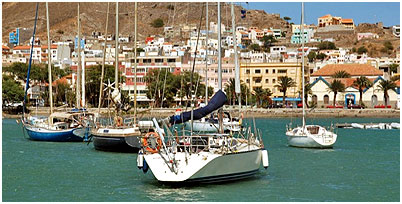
{"x": 266, "y": 75}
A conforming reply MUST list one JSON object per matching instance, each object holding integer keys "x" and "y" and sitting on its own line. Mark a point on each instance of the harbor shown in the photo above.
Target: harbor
{"x": 362, "y": 166}
{"x": 204, "y": 111}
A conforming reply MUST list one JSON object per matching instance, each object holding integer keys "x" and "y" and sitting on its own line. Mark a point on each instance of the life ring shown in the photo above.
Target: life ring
{"x": 146, "y": 145}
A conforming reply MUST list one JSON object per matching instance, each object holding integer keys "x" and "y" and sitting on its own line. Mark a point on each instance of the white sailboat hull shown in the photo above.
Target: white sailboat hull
{"x": 206, "y": 166}
{"x": 200, "y": 126}
{"x": 321, "y": 139}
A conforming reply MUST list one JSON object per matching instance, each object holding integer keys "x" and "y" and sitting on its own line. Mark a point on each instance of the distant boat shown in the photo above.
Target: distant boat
{"x": 211, "y": 124}
{"x": 396, "y": 125}
{"x": 309, "y": 136}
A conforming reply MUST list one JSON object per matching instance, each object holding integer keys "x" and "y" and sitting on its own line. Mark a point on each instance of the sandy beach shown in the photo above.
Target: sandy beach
{"x": 252, "y": 112}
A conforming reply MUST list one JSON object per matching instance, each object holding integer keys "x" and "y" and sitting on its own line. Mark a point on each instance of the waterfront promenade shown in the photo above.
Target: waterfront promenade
{"x": 252, "y": 112}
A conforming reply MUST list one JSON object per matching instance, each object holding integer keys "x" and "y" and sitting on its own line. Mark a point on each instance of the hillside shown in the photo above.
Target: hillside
{"x": 63, "y": 17}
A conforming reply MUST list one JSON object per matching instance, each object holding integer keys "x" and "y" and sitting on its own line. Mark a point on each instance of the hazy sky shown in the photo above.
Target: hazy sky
{"x": 360, "y": 12}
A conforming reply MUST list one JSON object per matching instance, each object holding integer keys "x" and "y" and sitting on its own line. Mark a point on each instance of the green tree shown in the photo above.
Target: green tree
{"x": 12, "y": 90}
{"x": 384, "y": 86}
{"x": 155, "y": 80}
{"x": 388, "y": 45}
{"x": 341, "y": 74}
{"x": 285, "y": 82}
{"x": 92, "y": 82}
{"x": 157, "y": 23}
{"x": 307, "y": 92}
{"x": 362, "y": 50}
{"x": 311, "y": 56}
{"x": 326, "y": 45}
{"x": 255, "y": 47}
{"x": 262, "y": 96}
{"x": 267, "y": 41}
{"x": 321, "y": 56}
{"x": 61, "y": 89}
{"x": 362, "y": 82}
{"x": 336, "y": 86}
{"x": 393, "y": 68}
{"x": 287, "y": 19}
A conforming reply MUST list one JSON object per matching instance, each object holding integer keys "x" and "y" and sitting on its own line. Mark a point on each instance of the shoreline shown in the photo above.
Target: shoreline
{"x": 249, "y": 113}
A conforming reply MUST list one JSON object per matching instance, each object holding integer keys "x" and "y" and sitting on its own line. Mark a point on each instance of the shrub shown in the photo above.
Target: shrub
{"x": 157, "y": 23}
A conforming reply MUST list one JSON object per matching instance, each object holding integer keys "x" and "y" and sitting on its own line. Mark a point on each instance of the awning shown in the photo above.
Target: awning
{"x": 286, "y": 99}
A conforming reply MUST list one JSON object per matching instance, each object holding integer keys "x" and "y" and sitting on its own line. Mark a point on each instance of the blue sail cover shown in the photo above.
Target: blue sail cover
{"x": 217, "y": 101}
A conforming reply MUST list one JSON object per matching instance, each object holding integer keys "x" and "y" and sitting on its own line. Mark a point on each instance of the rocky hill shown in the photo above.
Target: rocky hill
{"x": 63, "y": 17}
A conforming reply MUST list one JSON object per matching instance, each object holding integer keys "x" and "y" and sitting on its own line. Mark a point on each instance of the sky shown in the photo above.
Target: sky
{"x": 360, "y": 12}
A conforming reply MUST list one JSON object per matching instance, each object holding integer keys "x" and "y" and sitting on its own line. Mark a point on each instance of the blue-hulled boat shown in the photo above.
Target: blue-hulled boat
{"x": 59, "y": 127}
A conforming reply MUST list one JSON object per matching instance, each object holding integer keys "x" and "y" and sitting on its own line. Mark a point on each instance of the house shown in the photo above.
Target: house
{"x": 372, "y": 96}
{"x": 396, "y": 30}
{"x": 328, "y": 20}
{"x": 297, "y": 36}
{"x": 361, "y": 36}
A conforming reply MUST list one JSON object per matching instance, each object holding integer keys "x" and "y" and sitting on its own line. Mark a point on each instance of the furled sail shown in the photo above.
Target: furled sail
{"x": 217, "y": 101}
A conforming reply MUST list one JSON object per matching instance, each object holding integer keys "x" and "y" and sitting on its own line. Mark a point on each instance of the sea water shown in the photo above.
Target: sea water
{"x": 363, "y": 166}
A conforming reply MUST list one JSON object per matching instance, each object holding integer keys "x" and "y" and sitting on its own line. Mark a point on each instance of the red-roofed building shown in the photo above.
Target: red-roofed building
{"x": 355, "y": 70}
{"x": 372, "y": 96}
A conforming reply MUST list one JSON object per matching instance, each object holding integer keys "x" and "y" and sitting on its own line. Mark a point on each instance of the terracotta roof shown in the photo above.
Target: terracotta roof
{"x": 60, "y": 81}
{"x": 352, "y": 69}
{"x": 326, "y": 16}
{"x": 348, "y": 20}
{"x": 22, "y": 47}
{"x": 51, "y": 46}
{"x": 398, "y": 83}
{"x": 5, "y": 47}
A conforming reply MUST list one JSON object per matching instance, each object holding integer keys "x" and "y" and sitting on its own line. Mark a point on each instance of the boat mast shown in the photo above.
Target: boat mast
{"x": 135, "y": 61}
{"x": 237, "y": 68}
{"x": 30, "y": 60}
{"x": 103, "y": 60}
{"x": 83, "y": 80}
{"x": 220, "y": 112}
{"x": 116, "y": 54}
{"x": 302, "y": 32}
{"x": 206, "y": 57}
{"x": 49, "y": 57}
{"x": 78, "y": 91}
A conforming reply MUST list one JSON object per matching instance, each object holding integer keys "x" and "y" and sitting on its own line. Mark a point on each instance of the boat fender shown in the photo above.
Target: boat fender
{"x": 264, "y": 158}
{"x": 140, "y": 159}
{"x": 145, "y": 167}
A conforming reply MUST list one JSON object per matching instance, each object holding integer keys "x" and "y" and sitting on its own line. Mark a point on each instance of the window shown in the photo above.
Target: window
{"x": 314, "y": 99}
{"x": 257, "y": 79}
{"x": 374, "y": 100}
{"x": 158, "y": 60}
{"x": 172, "y": 60}
{"x": 257, "y": 71}
{"x": 247, "y": 71}
{"x": 266, "y": 81}
{"x": 273, "y": 81}
{"x": 247, "y": 80}
{"x": 282, "y": 71}
{"x": 273, "y": 71}
{"x": 266, "y": 71}
{"x": 146, "y": 60}
{"x": 326, "y": 99}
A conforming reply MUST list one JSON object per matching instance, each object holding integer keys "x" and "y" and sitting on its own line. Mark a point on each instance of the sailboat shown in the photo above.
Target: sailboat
{"x": 202, "y": 158}
{"x": 120, "y": 136}
{"x": 211, "y": 124}
{"x": 310, "y": 136}
{"x": 59, "y": 126}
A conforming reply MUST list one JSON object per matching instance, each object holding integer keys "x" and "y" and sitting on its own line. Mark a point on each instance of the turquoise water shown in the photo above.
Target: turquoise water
{"x": 363, "y": 166}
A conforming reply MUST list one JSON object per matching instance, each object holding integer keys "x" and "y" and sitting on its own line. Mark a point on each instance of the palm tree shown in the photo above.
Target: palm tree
{"x": 336, "y": 86}
{"x": 386, "y": 85}
{"x": 362, "y": 82}
{"x": 261, "y": 95}
{"x": 230, "y": 90}
{"x": 341, "y": 74}
{"x": 285, "y": 82}
{"x": 307, "y": 91}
